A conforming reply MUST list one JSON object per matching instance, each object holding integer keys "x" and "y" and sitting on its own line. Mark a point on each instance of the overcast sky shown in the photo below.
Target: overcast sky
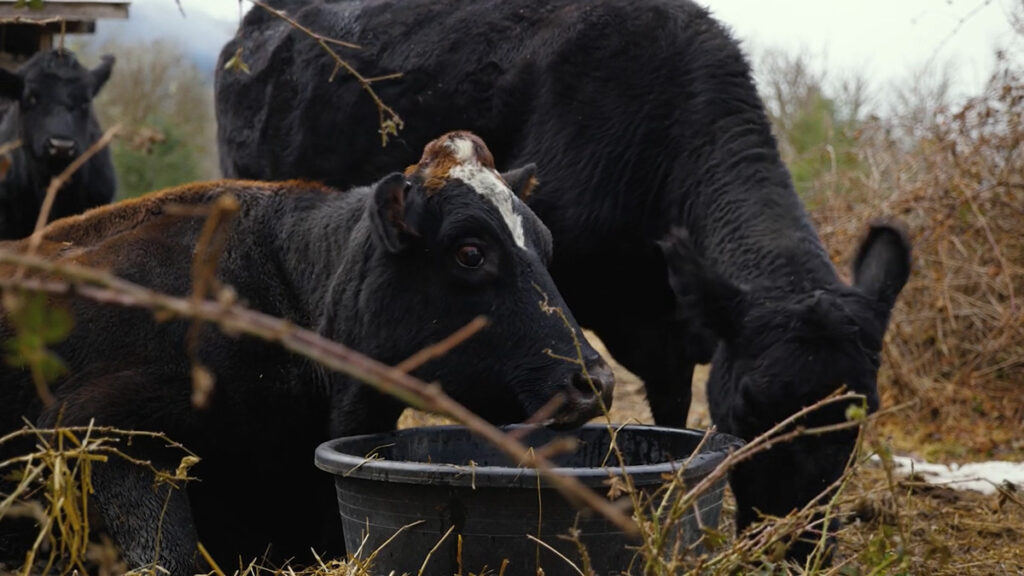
{"x": 883, "y": 38}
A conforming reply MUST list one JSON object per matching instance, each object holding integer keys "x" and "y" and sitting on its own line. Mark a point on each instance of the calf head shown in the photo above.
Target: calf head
{"x": 780, "y": 352}
{"x": 54, "y": 95}
{"x": 459, "y": 243}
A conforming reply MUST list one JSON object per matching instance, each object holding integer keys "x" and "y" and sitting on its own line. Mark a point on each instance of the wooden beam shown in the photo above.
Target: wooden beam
{"x": 72, "y": 27}
{"x": 67, "y": 10}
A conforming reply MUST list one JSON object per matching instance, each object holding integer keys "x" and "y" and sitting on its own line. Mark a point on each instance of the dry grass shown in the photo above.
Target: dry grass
{"x": 956, "y": 343}
{"x": 948, "y": 532}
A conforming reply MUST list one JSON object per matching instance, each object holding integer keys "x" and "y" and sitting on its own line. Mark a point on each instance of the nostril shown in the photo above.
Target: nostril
{"x": 60, "y": 146}
{"x": 598, "y": 380}
{"x": 585, "y": 384}
{"x": 587, "y": 393}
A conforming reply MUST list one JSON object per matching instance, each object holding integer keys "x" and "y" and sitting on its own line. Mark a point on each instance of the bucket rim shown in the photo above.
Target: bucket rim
{"x": 331, "y": 457}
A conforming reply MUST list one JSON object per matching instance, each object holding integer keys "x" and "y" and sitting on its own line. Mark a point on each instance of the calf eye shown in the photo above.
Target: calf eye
{"x": 31, "y": 100}
{"x": 469, "y": 256}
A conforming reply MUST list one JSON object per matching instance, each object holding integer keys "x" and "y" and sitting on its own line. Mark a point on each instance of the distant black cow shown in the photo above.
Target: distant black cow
{"x": 386, "y": 269}
{"x": 642, "y": 116}
{"x": 52, "y": 115}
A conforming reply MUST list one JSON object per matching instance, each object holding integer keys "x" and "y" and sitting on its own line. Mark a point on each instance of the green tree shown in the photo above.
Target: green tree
{"x": 815, "y": 121}
{"x": 167, "y": 161}
{"x": 165, "y": 106}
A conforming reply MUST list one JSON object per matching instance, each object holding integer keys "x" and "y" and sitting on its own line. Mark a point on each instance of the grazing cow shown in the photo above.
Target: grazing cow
{"x": 52, "y": 115}
{"x": 642, "y": 117}
{"x": 386, "y": 269}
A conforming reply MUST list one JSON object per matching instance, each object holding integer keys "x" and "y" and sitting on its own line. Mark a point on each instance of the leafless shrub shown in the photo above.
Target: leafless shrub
{"x": 956, "y": 343}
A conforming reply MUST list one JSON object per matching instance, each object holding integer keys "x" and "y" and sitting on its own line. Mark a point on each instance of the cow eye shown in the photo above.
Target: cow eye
{"x": 469, "y": 256}
{"x": 31, "y": 100}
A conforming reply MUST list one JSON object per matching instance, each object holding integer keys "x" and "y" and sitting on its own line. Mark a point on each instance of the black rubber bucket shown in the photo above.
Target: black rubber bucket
{"x": 445, "y": 476}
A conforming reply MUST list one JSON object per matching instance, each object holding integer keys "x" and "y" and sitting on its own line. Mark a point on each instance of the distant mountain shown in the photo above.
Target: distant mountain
{"x": 199, "y": 36}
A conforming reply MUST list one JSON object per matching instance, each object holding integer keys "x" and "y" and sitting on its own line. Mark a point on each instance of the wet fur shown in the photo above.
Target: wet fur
{"x": 643, "y": 119}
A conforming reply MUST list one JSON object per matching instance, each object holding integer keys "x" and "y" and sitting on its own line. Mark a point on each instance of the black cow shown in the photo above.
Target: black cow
{"x": 642, "y": 117}
{"x": 52, "y": 115}
{"x": 386, "y": 269}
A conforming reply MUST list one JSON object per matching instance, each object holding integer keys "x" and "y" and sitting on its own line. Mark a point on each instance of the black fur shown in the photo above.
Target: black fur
{"x": 784, "y": 350}
{"x": 642, "y": 117}
{"x": 317, "y": 257}
{"x": 52, "y": 96}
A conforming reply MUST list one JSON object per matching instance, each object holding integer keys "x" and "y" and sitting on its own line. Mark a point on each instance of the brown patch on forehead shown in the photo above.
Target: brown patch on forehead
{"x": 447, "y": 152}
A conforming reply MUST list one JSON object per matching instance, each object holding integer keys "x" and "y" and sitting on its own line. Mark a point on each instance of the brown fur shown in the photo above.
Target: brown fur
{"x": 98, "y": 224}
{"x": 438, "y": 159}
{"x": 527, "y": 190}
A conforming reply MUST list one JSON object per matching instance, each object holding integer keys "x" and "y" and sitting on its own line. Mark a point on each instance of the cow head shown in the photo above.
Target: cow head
{"x": 460, "y": 243}
{"x": 780, "y": 353}
{"x": 54, "y": 95}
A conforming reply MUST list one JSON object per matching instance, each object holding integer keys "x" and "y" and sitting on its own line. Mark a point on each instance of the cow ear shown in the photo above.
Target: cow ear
{"x": 101, "y": 73}
{"x": 703, "y": 298}
{"x": 521, "y": 180}
{"x": 11, "y": 85}
{"x": 389, "y": 213}
{"x": 882, "y": 265}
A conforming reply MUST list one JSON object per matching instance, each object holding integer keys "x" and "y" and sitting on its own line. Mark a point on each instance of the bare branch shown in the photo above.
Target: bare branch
{"x": 55, "y": 185}
{"x": 389, "y": 120}
{"x": 104, "y": 287}
{"x": 444, "y": 346}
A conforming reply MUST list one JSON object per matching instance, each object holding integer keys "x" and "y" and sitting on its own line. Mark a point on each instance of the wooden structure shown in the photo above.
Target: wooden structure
{"x": 25, "y": 30}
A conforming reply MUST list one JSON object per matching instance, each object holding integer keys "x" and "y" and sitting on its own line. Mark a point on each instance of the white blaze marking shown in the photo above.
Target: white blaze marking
{"x": 488, "y": 184}
{"x": 463, "y": 150}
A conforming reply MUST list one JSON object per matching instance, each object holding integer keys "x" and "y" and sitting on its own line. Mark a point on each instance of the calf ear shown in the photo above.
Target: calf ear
{"x": 11, "y": 85}
{"x": 101, "y": 73}
{"x": 882, "y": 265}
{"x": 388, "y": 214}
{"x": 521, "y": 180}
{"x": 703, "y": 298}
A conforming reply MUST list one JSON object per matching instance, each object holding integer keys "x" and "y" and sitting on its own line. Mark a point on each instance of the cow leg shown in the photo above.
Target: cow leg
{"x": 141, "y": 517}
{"x": 636, "y": 314}
{"x": 658, "y": 357}
{"x": 150, "y": 522}
{"x": 670, "y": 397}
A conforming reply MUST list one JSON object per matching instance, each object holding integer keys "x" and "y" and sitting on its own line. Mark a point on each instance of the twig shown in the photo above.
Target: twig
{"x": 773, "y": 437}
{"x": 373, "y": 555}
{"x": 444, "y": 346}
{"x": 209, "y": 249}
{"x": 55, "y": 185}
{"x": 209, "y": 560}
{"x": 389, "y": 120}
{"x": 434, "y": 549}
{"x": 542, "y": 416}
{"x": 556, "y": 553}
{"x": 956, "y": 30}
{"x": 10, "y": 146}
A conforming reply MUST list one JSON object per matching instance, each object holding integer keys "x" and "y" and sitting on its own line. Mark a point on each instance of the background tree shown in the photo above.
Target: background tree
{"x": 814, "y": 118}
{"x": 165, "y": 105}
